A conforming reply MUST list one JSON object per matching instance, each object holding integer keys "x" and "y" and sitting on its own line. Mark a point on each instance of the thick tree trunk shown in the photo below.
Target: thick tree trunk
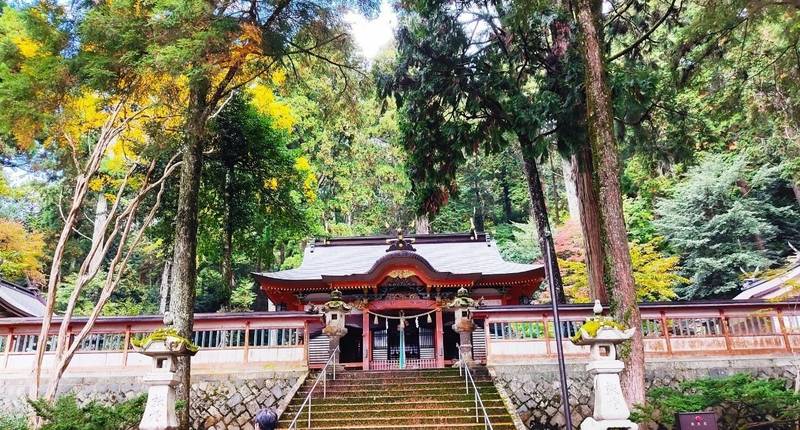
{"x": 506, "y": 188}
{"x": 615, "y": 244}
{"x": 570, "y": 188}
{"x": 227, "y": 241}
{"x": 589, "y": 212}
{"x": 99, "y": 232}
{"x": 184, "y": 270}
{"x": 796, "y": 189}
{"x": 539, "y": 209}
{"x": 163, "y": 291}
{"x": 422, "y": 224}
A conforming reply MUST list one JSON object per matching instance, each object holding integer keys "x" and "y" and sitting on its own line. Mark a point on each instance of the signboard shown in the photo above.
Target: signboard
{"x": 697, "y": 420}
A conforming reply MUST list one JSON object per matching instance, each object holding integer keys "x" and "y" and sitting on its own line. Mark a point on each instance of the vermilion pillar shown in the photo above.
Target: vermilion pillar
{"x": 439, "y": 338}
{"x": 366, "y": 341}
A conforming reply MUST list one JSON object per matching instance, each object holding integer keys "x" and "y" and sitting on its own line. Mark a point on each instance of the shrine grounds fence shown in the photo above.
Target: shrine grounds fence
{"x": 513, "y": 334}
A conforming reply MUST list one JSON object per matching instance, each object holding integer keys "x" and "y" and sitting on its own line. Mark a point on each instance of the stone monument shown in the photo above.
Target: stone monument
{"x": 163, "y": 346}
{"x": 602, "y": 335}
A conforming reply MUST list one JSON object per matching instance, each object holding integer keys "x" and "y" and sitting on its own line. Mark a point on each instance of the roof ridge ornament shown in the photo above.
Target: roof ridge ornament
{"x": 401, "y": 243}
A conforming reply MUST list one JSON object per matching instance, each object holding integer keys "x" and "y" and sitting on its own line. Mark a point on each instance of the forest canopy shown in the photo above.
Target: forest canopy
{"x": 706, "y": 112}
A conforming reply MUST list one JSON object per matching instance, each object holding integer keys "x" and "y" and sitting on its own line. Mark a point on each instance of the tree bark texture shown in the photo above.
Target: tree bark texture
{"x": 615, "y": 244}
{"x": 573, "y": 205}
{"x": 163, "y": 292}
{"x": 184, "y": 268}
{"x": 99, "y": 231}
{"x": 422, "y": 224}
{"x": 589, "y": 213}
{"x": 227, "y": 241}
{"x": 539, "y": 210}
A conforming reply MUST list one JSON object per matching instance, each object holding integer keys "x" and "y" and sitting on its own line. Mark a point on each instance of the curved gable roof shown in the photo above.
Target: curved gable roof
{"x": 454, "y": 254}
{"x": 18, "y": 301}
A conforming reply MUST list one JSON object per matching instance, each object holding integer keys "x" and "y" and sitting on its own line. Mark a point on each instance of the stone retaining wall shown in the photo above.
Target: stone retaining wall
{"x": 218, "y": 401}
{"x": 535, "y": 390}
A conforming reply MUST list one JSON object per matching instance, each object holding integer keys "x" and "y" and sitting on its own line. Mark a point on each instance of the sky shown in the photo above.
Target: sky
{"x": 372, "y": 35}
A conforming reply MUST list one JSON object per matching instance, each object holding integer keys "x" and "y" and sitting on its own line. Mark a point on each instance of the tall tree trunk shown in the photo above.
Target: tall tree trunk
{"x": 99, "y": 231}
{"x": 539, "y": 209}
{"x": 163, "y": 291}
{"x": 184, "y": 270}
{"x": 227, "y": 241}
{"x": 604, "y": 150}
{"x": 422, "y": 224}
{"x": 570, "y": 188}
{"x": 589, "y": 212}
{"x": 506, "y": 191}
{"x": 796, "y": 189}
{"x": 554, "y": 187}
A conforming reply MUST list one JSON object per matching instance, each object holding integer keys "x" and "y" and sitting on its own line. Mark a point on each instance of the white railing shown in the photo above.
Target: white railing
{"x": 411, "y": 363}
{"x": 464, "y": 370}
{"x": 324, "y": 377}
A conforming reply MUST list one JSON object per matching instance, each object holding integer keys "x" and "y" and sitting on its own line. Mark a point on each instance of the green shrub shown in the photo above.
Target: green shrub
{"x": 67, "y": 414}
{"x": 13, "y": 423}
{"x": 746, "y": 403}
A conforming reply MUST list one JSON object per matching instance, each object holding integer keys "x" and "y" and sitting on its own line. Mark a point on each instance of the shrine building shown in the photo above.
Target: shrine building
{"x": 397, "y": 290}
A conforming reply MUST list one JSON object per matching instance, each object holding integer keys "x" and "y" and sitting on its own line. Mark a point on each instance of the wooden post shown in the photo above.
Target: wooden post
{"x": 546, "y": 333}
{"x": 305, "y": 342}
{"x": 9, "y": 339}
{"x": 726, "y": 331}
{"x": 126, "y": 346}
{"x": 366, "y": 340}
{"x": 247, "y": 342}
{"x": 665, "y": 332}
{"x": 439, "y": 338}
{"x": 782, "y": 324}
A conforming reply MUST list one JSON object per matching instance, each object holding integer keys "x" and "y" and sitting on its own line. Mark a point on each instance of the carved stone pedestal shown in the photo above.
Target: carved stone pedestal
{"x": 610, "y": 409}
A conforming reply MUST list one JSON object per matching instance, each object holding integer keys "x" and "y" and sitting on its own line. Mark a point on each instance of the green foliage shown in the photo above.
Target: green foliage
{"x": 593, "y": 325}
{"x": 13, "y": 423}
{"x": 66, "y": 414}
{"x": 131, "y": 297}
{"x": 162, "y": 334}
{"x": 726, "y": 216}
{"x": 745, "y": 400}
{"x": 518, "y": 242}
{"x": 243, "y": 296}
{"x": 656, "y": 275}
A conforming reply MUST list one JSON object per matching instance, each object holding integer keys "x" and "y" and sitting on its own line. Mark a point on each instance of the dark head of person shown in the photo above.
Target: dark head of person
{"x": 266, "y": 419}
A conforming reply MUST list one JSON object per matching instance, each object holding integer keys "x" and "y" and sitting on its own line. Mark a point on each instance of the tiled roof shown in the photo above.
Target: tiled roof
{"x": 19, "y": 301}
{"x": 777, "y": 287}
{"x": 353, "y": 256}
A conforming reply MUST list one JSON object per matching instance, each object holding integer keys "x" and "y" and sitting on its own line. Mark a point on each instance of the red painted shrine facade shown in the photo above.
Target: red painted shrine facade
{"x": 392, "y": 281}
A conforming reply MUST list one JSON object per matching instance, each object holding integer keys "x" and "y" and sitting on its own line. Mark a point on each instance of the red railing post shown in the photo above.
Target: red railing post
{"x": 782, "y": 324}
{"x": 726, "y": 330}
{"x": 665, "y": 332}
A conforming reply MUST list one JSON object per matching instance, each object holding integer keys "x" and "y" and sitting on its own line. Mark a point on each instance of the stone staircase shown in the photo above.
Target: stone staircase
{"x": 405, "y": 399}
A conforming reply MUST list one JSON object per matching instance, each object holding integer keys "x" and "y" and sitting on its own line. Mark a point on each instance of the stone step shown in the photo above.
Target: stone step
{"x": 367, "y": 402}
{"x": 470, "y": 426}
{"x": 395, "y": 421}
{"x": 340, "y": 387}
{"x": 385, "y": 379}
{"x": 399, "y": 411}
{"x": 432, "y": 392}
{"x": 400, "y": 403}
{"x": 397, "y": 374}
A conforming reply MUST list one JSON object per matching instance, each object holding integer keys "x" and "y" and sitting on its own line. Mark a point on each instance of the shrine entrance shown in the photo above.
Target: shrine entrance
{"x": 409, "y": 347}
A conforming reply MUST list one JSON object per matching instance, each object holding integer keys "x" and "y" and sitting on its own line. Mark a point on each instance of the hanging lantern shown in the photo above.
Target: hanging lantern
{"x": 429, "y": 318}
{"x": 387, "y": 323}
{"x": 375, "y": 321}
{"x": 416, "y": 321}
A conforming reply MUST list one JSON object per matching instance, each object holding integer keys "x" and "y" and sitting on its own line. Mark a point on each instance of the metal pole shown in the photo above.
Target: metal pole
{"x": 309, "y": 410}
{"x": 562, "y": 369}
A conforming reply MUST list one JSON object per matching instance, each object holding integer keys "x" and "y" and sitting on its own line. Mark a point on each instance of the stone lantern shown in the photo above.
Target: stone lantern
{"x": 335, "y": 311}
{"x": 603, "y": 335}
{"x": 164, "y": 346}
{"x": 463, "y": 305}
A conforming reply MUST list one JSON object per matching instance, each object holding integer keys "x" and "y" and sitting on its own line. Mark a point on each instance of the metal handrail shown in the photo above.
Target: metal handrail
{"x": 324, "y": 376}
{"x": 463, "y": 370}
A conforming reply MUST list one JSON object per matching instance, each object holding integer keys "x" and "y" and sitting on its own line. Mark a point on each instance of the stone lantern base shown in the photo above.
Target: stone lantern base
{"x": 159, "y": 413}
{"x": 591, "y": 424}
